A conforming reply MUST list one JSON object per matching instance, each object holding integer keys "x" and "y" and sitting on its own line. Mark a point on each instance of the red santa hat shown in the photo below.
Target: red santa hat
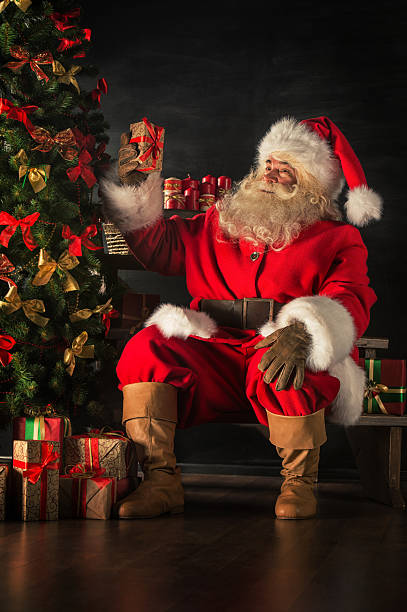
{"x": 325, "y": 153}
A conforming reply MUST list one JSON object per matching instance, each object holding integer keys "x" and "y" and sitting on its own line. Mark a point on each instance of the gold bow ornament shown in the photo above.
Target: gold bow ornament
{"x": 23, "y": 5}
{"x": 47, "y": 267}
{"x": 78, "y": 350}
{"x": 37, "y": 176}
{"x": 372, "y": 393}
{"x": 85, "y": 313}
{"x": 66, "y": 76}
{"x": 31, "y": 308}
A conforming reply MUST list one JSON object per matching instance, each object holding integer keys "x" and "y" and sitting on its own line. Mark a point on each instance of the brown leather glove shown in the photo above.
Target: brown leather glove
{"x": 128, "y": 165}
{"x": 288, "y": 352}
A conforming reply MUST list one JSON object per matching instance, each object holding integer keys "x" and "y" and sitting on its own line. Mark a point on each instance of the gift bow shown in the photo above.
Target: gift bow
{"x": 101, "y": 88}
{"x": 373, "y": 391}
{"x": 67, "y": 43}
{"x": 64, "y": 141}
{"x": 83, "y": 170}
{"x": 61, "y": 19}
{"x": 37, "y": 176}
{"x": 13, "y": 223}
{"x": 19, "y": 113}
{"x": 154, "y": 150}
{"x": 83, "y": 141}
{"x": 66, "y": 76}
{"x": 76, "y": 242}
{"x": 85, "y": 313}
{"x": 106, "y": 318}
{"x": 79, "y": 471}
{"x": 34, "y": 472}
{"x": 6, "y": 344}
{"x": 47, "y": 267}
{"x": 78, "y": 350}
{"x": 23, "y": 56}
{"x": 21, "y": 4}
{"x": 31, "y": 308}
{"x": 6, "y": 267}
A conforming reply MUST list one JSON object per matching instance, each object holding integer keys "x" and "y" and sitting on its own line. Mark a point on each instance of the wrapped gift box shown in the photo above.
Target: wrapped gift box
{"x": 112, "y": 452}
{"x": 136, "y": 308}
{"x": 386, "y": 386}
{"x": 52, "y": 429}
{"x": 150, "y": 142}
{"x": 36, "y": 479}
{"x": 4, "y": 472}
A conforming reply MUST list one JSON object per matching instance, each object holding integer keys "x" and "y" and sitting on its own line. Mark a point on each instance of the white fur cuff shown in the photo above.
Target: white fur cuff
{"x": 178, "y": 322}
{"x": 327, "y": 321}
{"x": 133, "y": 207}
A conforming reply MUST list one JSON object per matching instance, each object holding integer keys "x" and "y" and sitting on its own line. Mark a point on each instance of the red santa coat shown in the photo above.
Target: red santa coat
{"x": 321, "y": 278}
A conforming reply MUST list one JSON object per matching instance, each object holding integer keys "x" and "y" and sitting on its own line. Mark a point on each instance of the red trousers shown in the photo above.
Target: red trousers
{"x": 218, "y": 378}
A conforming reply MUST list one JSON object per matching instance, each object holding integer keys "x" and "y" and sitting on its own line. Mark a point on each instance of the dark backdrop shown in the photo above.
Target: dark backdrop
{"x": 216, "y": 77}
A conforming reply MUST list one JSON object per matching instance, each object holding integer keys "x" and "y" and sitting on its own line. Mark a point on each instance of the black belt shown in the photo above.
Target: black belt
{"x": 247, "y": 313}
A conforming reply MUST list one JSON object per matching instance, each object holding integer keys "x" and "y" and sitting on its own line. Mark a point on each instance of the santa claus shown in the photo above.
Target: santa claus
{"x": 280, "y": 294}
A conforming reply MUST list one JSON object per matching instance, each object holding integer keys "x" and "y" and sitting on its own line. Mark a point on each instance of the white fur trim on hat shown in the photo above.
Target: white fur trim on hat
{"x": 363, "y": 205}
{"x": 328, "y": 323}
{"x": 179, "y": 322}
{"x": 133, "y": 207}
{"x": 289, "y": 136}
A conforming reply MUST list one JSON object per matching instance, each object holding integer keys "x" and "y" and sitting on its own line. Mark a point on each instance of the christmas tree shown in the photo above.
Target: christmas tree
{"x": 58, "y": 304}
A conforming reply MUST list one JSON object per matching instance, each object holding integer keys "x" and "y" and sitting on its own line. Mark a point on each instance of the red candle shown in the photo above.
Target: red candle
{"x": 224, "y": 182}
{"x": 209, "y": 179}
{"x": 172, "y": 184}
{"x": 193, "y": 184}
{"x": 191, "y": 199}
{"x": 207, "y": 188}
{"x": 186, "y": 183}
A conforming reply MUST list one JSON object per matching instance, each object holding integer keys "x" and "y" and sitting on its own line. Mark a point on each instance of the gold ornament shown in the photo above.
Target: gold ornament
{"x": 66, "y": 76}
{"x": 31, "y": 308}
{"x": 85, "y": 313}
{"x": 37, "y": 176}
{"x": 78, "y": 350}
{"x": 21, "y": 4}
{"x": 47, "y": 267}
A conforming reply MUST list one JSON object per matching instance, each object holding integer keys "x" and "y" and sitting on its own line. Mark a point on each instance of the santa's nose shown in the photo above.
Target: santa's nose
{"x": 270, "y": 177}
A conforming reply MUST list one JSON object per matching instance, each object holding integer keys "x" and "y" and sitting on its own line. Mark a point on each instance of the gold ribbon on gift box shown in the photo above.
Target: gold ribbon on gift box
{"x": 23, "y": 5}
{"x": 31, "y": 308}
{"x": 66, "y": 76}
{"x": 36, "y": 176}
{"x": 47, "y": 267}
{"x": 78, "y": 349}
{"x": 85, "y": 313}
{"x": 372, "y": 392}
{"x": 376, "y": 393}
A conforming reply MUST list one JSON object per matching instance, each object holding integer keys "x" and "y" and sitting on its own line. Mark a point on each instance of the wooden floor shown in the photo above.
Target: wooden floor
{"x": 226, "y": 553}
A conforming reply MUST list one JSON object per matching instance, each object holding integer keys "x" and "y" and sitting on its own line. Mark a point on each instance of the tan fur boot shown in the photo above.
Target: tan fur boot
{"x": 150, "y": 415}
{"x": 297, "y": 441}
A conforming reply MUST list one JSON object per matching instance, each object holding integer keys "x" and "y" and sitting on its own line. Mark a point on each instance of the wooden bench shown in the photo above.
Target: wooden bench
{"x": 376, "y": 443}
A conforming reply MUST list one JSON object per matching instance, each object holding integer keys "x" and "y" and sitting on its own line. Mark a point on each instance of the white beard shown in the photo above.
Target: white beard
{"x": 272, "y": 214}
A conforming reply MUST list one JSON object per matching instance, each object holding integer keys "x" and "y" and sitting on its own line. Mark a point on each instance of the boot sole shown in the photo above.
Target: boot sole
{"x": 173, "y": 511}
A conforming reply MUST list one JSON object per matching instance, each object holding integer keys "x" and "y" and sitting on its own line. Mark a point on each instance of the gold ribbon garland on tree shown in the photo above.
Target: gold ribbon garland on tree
{"x": 85, "y": 313}
{"x": 37, "y": 176}
{"x": 78, "y": 349}
{"x": 66, "y": 76}
{"x": 31, "y": 308}
{"x": 47, "y": 267}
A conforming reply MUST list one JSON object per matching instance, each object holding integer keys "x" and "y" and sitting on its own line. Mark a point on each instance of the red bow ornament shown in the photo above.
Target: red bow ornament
{"x": 83, "y": 170}
{"x": 64, "y": 141}
{"x": 60, "y": 20}
{"x": 101, "y": 88}
{"x": 83, "y": 141}
{"x": 76, "y": 242}
{"x": 107, "y": 316}
{"x": 19, "y": 113}
{"x": 13, "y": 223}
{"x": 67, "y": 43}
{"x": 6, "y": 267}
{"x": 23, "y": 56}
{"x": 154, "y": 139}
{"x": 6, "y": 344}
{"x": 34, "y": 472}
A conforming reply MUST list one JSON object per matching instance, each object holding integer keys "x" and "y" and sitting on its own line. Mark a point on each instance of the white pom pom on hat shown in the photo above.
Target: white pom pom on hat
{"x": 323, "y": 150}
